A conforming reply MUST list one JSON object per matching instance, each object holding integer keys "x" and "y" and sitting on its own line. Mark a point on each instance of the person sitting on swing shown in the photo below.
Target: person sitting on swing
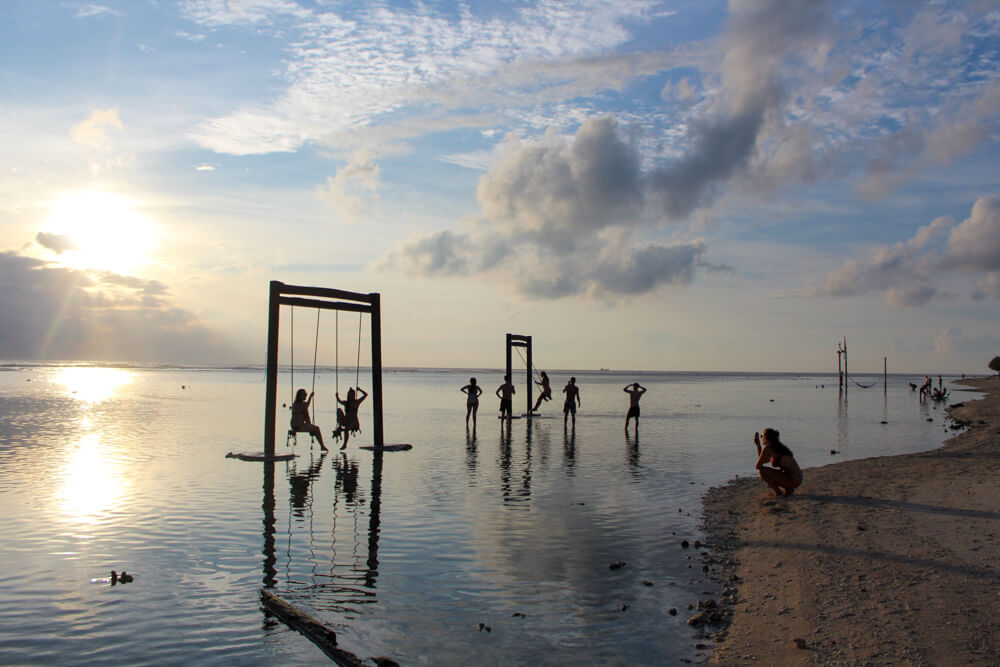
{"x": 349, "y": 424}
{"x": 546, "y": 394}
{"x": 300, "y": 417}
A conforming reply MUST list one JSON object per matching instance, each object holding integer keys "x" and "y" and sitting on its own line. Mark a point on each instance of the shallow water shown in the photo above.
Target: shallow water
{"x": 125, "y": 469}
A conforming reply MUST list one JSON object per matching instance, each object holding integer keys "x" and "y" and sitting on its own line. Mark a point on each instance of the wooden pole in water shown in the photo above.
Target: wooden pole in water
{"x": 507, "y": 374}
{"x": 376, "y": 322}
{"x": 840, "y": 370}
{"x": 530, "y": 378}
{"x": 846, "y": 376}
{"x": 271, "y": 393}
{"x": 885, "y": 375}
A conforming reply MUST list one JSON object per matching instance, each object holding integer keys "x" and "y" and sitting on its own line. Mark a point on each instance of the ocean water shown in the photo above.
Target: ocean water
{"x": 490, "y": 547}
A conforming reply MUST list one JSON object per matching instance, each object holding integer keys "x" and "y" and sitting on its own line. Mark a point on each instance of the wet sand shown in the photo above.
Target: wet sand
{"x": 888, "y": 560}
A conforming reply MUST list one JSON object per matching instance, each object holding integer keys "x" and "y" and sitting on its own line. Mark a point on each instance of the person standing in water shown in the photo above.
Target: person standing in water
{"x": 504, "y": 392}
{"x": 473, "y": 391}
{"x": 572, "y": 401}
{"x": 784, "y": 474}
{"x": 635, "y": 392}
{"x": 546, "y": 394}
{"x": 300, "y": 417}
{"x": 351, "y": 423}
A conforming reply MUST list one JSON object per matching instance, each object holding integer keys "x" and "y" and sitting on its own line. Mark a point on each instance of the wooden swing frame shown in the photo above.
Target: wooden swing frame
{"x": 325, "y": 299}
{"x": 519, "y": 340}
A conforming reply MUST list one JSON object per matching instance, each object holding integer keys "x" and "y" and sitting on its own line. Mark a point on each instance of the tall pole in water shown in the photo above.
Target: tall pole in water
{"x": 845, "y": 363}
{"x": 885, "y": 375}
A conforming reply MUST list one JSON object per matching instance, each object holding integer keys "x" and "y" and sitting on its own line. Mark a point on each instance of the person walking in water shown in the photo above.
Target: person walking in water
{"x": 784, "y": 474}
{"x": 504, "y": 392}
{"x": 635, "y": 392}
{"x": 473, "y": 391}
{"x": 350, "y": 421}
{"x": 300, "y": 417}
{"x": 572, "y": 401}
{"x": 546, "y": 394}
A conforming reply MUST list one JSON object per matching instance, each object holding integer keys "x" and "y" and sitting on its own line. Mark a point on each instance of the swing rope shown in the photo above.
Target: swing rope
{"x": 336, "y": 348}
{"x": 525, "y": 362}
{"x": 315, "y": 351}
{"x": 291, "y": 345}
{"x": 357, "y": 368}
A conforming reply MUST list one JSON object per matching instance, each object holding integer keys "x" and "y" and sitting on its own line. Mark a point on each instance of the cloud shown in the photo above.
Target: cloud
{"x": 57, "y": 243}
{"x": 353, "y": 186}
{"x": 974, "y": 245}
{"x": 907, "y": 271}
{"x": 57, "y": 313}
{"x": 92, "y": 132}
{"x": 988, "y": 288}
{"x": 346, "y": 71}
{"x": 553, "y": 192}
{"x": 88, "y": 10}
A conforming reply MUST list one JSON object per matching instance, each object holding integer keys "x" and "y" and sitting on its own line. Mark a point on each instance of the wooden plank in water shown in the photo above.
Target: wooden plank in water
{"x": 258, "y": 456}
{"x": 323, "y": 637}
{"x": 390, "y": 448}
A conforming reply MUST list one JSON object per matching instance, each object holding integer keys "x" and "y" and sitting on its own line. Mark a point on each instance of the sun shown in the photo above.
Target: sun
{"x": 92, "y": 229}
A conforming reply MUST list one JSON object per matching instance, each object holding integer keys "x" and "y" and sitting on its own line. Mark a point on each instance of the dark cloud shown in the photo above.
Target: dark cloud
{"x": 649, "y": 267}
{"x": 555, "y": 192}
{"x": 57, "y": 313}
{"x": 57, "y": 243}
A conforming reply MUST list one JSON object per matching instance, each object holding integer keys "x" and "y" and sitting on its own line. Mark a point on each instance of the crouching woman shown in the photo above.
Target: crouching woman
{"x": 784, "y": 474}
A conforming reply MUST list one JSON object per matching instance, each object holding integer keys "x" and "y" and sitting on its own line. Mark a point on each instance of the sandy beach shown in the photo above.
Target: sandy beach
{"x": 888, "y": 560}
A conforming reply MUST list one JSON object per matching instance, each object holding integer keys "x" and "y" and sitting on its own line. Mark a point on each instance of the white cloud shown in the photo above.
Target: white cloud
{"x": 92, "y": 132}
{"x": 908, "y": 272}
{"x": 353, "y": 187}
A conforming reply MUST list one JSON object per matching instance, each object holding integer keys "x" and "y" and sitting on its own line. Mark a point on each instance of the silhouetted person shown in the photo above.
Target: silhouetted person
{"x": 572, "y": 400}
{"x": 300, "y": 417}
{"x": 784, "y": 474}
{"x": 473, "y": 391}
{"x": 546, "y": 394}
{"x": 925, "y": 388}
{"x": 504, "y": 392}
{"x": 350, "y": 424}
{"x": 635, "y": 392}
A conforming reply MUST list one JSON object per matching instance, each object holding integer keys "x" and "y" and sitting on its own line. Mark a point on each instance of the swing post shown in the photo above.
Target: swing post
{"x": 323, "y": 299}
{"x": 376, "y": 323}
{"x": 518, "y": 340}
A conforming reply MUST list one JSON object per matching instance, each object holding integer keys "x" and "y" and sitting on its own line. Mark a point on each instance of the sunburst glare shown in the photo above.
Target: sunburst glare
{"x": 92, "y": 229}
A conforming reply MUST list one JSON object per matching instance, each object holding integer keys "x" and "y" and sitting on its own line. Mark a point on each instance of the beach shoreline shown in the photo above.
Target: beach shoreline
{"x": 884, "y": 560}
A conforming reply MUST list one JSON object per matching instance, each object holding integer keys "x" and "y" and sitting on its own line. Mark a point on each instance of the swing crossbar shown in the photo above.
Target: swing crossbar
{"x": 325, "y": 305}
{"x": 326, "y": 292}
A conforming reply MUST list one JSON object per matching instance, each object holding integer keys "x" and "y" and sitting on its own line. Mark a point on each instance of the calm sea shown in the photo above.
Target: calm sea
{"x": 491, "y": 548}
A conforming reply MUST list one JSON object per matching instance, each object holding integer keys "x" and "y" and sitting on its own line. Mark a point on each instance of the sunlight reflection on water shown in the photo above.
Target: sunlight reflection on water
{"x": 90, "y": 483}
{"x": 93, "y": 384}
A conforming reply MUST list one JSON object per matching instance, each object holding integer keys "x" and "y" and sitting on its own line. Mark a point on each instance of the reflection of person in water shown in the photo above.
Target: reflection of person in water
{"x": 300, "y": 417}
{"x": 299, "y": 482}
{"x": 347, "y": 478}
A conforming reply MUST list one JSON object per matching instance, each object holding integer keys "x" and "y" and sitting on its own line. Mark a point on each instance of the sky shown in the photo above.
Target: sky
{"x": 638, "y": 185}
